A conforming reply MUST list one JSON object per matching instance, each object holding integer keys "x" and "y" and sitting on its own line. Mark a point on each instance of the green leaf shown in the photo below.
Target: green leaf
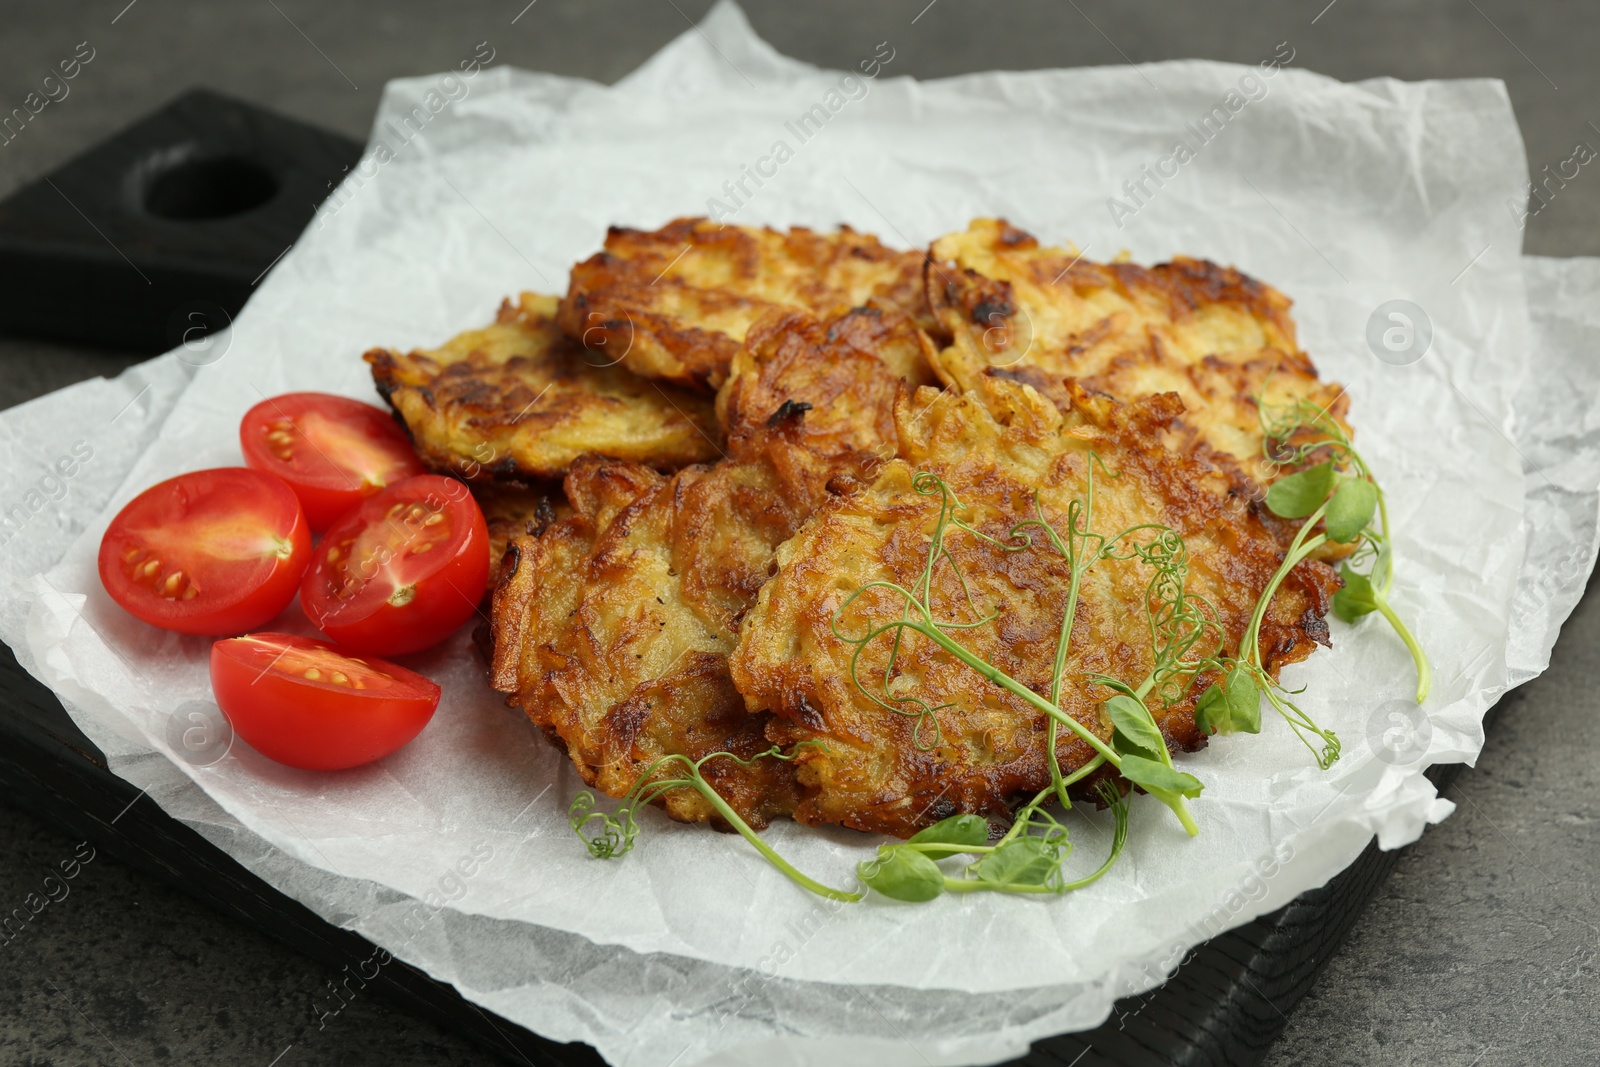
{"x": 1298, "y": 495}
{"x": 1136, "y": 730}
{"x": 1023, "y": 861}
{"x": 1244, "y": 701}
{"x": 902, "y": 874}
{"x": 960, "y": 832}
{"x": 1233, "y": 707}
{"x": 1357, "y": 598}
{"x": 1351, "y": 510}
{"x": 1152, "y": 775}
{"x": 1211, "y": 711}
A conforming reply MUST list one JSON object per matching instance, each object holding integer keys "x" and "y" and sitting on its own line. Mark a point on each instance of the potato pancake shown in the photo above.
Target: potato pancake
{"x": 519, "y": 401}
{"x": 675, "y": 303}
{"x": 999, "y": 448}
{"x": 1222, "y": 341}
{"x": 612, "y": 628}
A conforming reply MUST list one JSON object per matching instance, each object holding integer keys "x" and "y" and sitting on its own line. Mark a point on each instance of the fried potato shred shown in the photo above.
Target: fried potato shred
{"x": 1221, "y": 341}
{"x": 676, "y": 302}
{"x": 519, "y": 401}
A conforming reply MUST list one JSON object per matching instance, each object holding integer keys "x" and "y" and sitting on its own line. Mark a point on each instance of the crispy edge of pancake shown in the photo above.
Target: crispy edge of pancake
{"x": 872, "y": 774}
{"x": 678, "y": 301}
{"x": 1219, "y": 338}
{"x": 518, "y": 401}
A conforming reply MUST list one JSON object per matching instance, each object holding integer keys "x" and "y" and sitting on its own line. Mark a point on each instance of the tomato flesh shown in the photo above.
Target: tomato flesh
{"x": 403, "y": 571}
{"x": 311, "y": 705}
{"x": 210, "y": 552}
{"x": 333, "y": 451}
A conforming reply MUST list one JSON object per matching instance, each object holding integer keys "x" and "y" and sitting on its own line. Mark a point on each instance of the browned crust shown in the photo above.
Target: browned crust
{"x": 678, "y": 301}
{"x": 518, "y": 402}
{"x": 1217, "y": 337}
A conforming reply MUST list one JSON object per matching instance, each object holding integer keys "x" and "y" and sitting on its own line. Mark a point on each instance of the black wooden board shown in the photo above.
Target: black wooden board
{"x": 165, "y": 228}
{"x": 1225, "y": 1005}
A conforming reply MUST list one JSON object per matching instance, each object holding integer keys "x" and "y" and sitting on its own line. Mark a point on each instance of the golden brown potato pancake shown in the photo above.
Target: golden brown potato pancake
{"x": 996, "y": 447}
{"x": 518, "y": 401}
{"x": 612, "y": 628}
{"x": 675, "y": 303}
{"x": 1220, "y": 340}
{"x": 599, "y": 648}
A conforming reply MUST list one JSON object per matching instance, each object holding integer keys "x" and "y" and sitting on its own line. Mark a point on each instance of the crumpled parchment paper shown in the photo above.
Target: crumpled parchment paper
{"x": 455, "y": 855}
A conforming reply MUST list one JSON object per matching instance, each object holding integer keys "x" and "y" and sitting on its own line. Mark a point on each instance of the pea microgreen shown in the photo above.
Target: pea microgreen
{"x": 1297, "y": 495}
{"x": 951, "y": 836}
{"x": 903, "y": 874}
{"x": 1028, "y": 858}
{"x": 1357, "y": 598}
{"x": 1352, "y": 508}
{"x": 1232, "y": 706}
{"x": 1136, "y": 731}
{"x": 618, "y": 829}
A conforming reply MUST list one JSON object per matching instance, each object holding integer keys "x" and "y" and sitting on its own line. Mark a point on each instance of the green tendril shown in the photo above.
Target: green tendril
{"x": 620, "y": 828}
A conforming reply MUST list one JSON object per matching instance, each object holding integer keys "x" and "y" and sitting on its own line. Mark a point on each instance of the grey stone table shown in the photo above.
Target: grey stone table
{"x": 1480, "y": 950}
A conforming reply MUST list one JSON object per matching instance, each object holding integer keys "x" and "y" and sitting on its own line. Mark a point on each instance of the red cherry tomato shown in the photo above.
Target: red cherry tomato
{"x": 403, "y": 571}
{"x": 308, "y": 704}
{"x": 333, "y": 451}
{"x": 211, "y": 552}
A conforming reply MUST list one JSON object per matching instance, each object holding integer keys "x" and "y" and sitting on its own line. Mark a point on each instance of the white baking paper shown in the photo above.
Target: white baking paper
{"x": 1345, "y": 196}
{"x": 1558, "y": 437}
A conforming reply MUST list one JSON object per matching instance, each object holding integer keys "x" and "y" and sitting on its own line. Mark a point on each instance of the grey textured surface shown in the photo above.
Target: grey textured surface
{"x": 1482, "y": 949}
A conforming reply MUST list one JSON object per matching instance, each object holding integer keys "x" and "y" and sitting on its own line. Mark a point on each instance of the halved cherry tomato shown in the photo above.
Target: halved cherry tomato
{"x": 211, "y": 552}
{"x": 333, "y": 451}
{"x": 403, "y": 571}
{"x": 311, "y": 705}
